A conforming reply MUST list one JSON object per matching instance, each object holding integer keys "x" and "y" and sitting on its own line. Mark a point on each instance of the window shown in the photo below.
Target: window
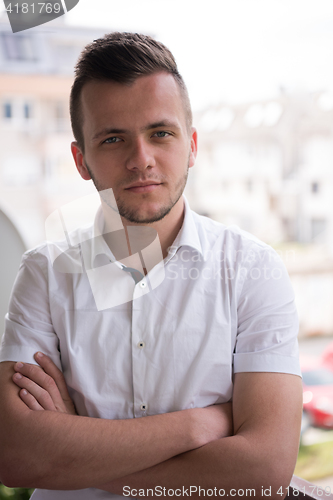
{"x": 59, "y": 111}
{"x": 27, "y": 111}
{"x": 315, "y": 187}
{"x": 7, "y": 110}
{"x": 290, "y": 229}
{"x": 61, "y": 117}
{"x": 18, "y": 47}
{"x": 319, "y": 376}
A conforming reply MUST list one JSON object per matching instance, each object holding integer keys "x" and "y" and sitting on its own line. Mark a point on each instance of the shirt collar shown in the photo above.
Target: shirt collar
{"x": 187, "y": 236}
{"x": 100, "y": 250}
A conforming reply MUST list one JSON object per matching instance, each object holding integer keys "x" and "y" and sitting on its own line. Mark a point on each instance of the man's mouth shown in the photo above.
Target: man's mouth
{"x": 143, "y": 187}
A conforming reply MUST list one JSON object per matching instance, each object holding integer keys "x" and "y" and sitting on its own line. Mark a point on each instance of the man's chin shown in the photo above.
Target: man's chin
{"x": 136, "y": 218}
{"x": 149, "y": 215}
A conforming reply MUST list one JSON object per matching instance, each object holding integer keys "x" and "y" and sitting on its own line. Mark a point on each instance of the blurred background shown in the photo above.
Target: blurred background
{"x": 260, "y": 78}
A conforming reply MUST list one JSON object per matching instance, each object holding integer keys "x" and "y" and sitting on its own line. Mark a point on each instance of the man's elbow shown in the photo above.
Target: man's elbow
{"x": 274, "y": 473}
{"x": 15, "y": 469}
{"x": 21, "y": 474}
{"x": 268, "y": 466}
{"x": 19, "y": 465}
{"x": 12, "y": 480}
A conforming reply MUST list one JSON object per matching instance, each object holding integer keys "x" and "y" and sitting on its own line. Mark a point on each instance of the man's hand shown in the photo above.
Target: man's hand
{"x": 43, "y": 388}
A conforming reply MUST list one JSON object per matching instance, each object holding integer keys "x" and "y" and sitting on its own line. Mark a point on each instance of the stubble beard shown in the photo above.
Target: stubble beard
{"x": 132, "y": 215}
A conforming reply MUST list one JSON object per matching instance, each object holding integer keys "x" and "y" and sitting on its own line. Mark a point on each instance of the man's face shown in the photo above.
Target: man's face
{"x": 137, "y": 143}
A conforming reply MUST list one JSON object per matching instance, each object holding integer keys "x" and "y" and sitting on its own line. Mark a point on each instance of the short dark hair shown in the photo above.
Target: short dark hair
{"x": 122, "y": 58}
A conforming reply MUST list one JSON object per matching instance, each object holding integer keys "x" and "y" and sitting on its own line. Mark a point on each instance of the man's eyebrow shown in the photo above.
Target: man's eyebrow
{"x": 162, "y": 123}
{"x": 110, "y": 131}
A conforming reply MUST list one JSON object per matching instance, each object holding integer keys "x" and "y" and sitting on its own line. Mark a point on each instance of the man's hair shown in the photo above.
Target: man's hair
{"x": 122, "y": 58}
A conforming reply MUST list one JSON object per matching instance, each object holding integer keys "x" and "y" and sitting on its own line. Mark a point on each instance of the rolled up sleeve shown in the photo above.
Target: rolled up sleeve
{"x": 28, "y": 325}
{"x": 267, "y": 318}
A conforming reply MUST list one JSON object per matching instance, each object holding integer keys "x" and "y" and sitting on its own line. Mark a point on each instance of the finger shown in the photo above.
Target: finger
{"x": 37, "y": 374}
{"x": 40, "y": 394}
{"x": 30, "y": 401}
{"x": 40, "y": 385}
{"x": 53, "y": 371}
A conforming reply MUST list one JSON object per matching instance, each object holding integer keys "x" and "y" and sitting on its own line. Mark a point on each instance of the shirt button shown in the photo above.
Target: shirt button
{"x": 144, "y": 407}
{"x": 143, "y": 284}
{"x": 141, "y": 344}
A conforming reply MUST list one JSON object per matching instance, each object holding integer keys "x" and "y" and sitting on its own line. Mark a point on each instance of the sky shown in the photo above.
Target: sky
{"x": 230, "y": 51}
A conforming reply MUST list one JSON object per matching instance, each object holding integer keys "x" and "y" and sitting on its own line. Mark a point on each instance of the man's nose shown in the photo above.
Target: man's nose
{"x": 140, "y": 155}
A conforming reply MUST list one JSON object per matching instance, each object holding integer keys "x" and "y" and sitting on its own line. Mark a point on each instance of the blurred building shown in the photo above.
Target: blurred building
{"x": 37, "y": 172}
{"x": 268, "y": 167}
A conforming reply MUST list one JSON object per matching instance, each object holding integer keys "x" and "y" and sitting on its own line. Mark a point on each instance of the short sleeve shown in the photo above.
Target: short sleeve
{"x": 28, "y": 325}
{"x": 267, "y": 317}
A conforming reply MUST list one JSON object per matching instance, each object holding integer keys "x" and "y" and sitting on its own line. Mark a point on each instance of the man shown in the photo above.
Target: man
{"x": 221, "y": 324}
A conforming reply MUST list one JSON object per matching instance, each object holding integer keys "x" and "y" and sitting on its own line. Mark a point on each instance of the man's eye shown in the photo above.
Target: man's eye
{"x": 161, "y": 134}
{"x": 112, "y": 140}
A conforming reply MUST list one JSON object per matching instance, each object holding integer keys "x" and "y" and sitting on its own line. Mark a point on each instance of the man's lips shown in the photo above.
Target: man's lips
{"x": 145, "y": 187}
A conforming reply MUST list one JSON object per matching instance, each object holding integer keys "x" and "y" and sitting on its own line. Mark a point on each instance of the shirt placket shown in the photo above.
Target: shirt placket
{"x": 139, "y": 359}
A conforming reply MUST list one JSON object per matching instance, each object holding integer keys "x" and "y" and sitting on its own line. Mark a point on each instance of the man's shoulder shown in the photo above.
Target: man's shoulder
{"x": 62, "y": 254}
{"x": 230, "y": 238}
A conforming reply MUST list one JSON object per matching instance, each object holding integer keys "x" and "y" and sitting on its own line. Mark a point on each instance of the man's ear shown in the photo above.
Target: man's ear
{"x": 194, "y": 146}
{"x": 79, "y": 161}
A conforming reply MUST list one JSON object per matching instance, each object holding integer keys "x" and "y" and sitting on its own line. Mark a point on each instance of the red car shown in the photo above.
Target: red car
{"x": 318, "y": 395}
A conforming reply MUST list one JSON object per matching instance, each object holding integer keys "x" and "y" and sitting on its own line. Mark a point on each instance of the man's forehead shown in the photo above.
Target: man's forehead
{"x": 160, "y": 84}
{"x": 148, "y": 100}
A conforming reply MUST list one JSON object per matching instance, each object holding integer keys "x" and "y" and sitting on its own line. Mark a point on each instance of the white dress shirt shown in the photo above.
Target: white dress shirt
{"x": 225, "y": 305}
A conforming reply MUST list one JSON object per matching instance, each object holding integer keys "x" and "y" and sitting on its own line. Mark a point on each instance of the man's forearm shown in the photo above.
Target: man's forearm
{"x": 52, "y": 450}
{"x": 229, "y": 464}
{"x": 58, "y": 451}
{"x": 267, "y": 409}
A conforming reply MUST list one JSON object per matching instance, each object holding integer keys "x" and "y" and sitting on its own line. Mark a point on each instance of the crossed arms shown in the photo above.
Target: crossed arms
{"x": 55, "y": 449}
